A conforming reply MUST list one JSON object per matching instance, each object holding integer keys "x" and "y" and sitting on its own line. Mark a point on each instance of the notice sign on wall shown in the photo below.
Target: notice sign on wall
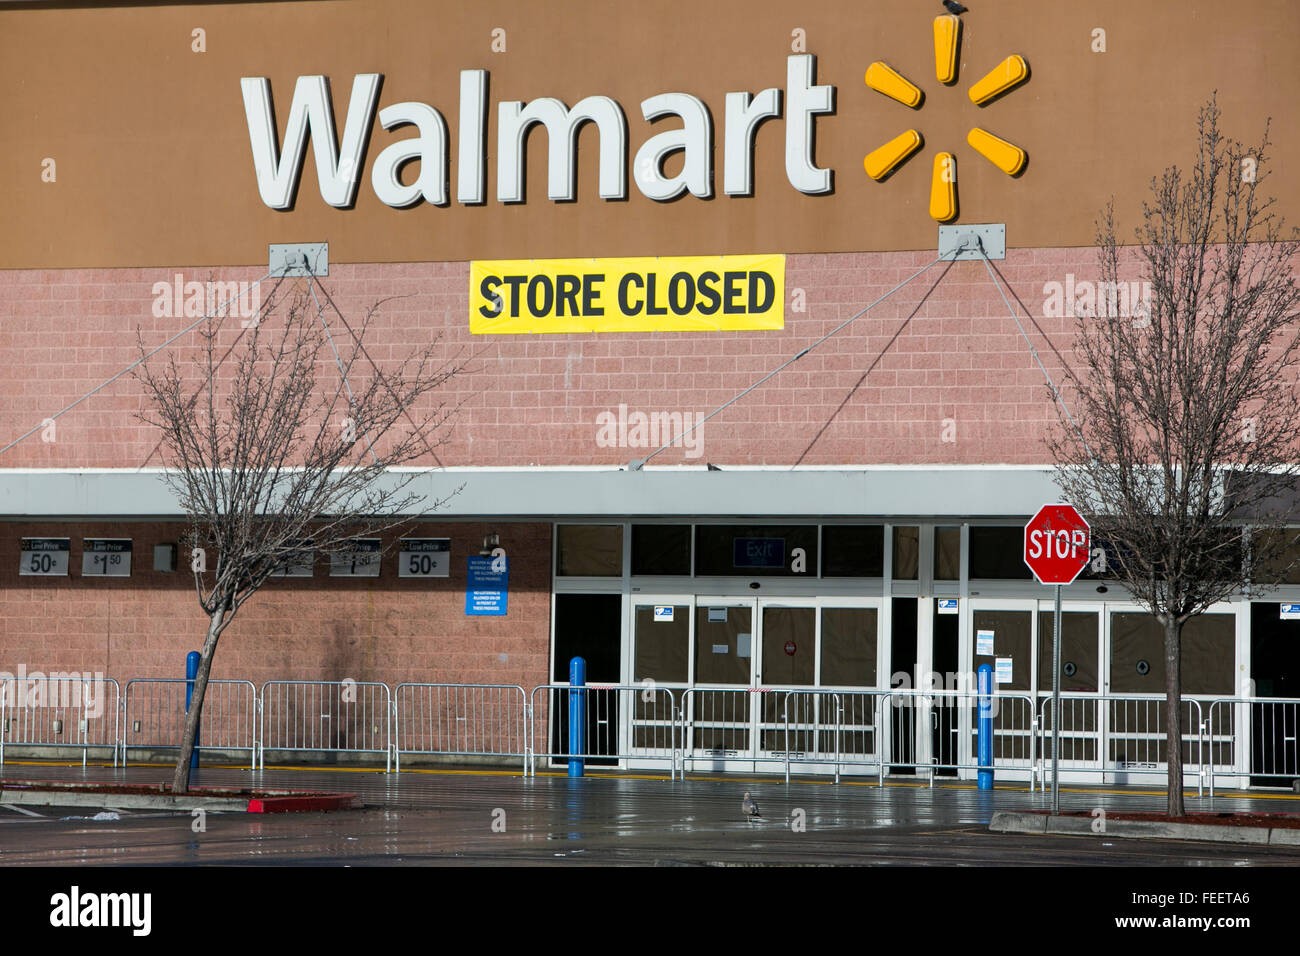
{"x": 487, "y": 592}
{"x": 109, "y": 557}
{"x": 44, "y": 556}
{"x": 680, "y": 294}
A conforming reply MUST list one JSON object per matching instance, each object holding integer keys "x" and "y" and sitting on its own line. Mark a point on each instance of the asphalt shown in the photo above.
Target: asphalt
{"x": 422, "y": 817}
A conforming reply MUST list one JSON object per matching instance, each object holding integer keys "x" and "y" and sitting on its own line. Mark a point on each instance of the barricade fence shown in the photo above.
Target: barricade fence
{"x": 154, "y": 713}
{"x": 469, "y": 720}
{"x": 1122, "y": 737}
{"x": 61, "y": 710}
{"x": 952, "y": 719}
{"x": 1272, "y": 726}
{"x": 317, "y": 716}
{"x": 623, "y": 722}
{"x": 1250, "y": 741}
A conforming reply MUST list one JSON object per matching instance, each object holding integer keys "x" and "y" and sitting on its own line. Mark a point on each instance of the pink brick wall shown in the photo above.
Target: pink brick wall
{"x": 534, "y": 399}
{"x": 387, "y": 629}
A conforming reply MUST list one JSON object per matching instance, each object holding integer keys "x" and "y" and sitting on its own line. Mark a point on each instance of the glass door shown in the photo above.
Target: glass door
{"x": 788, "y": 718}
{"x": 661, "y": 668}
{"x": 719, "y": 712}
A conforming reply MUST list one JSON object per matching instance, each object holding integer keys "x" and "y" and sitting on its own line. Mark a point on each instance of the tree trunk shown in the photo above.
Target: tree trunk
{"x": 1174, "y": 714}
{"x": 181, "y": 776}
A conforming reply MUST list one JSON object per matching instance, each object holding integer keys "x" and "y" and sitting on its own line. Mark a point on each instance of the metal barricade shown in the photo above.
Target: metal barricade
{"x": 952, "y": 718}
{"x": 827, "y": 727}
{"x": 470, "y": 720}
{"x": 316, "y": 716}
{"x": 1119, "y": 736}
{"x": 1254, "y": 740}
{"x": 625, "y": 723}
{"x": 64, "y": 710}
{"x": 153, "y": 716}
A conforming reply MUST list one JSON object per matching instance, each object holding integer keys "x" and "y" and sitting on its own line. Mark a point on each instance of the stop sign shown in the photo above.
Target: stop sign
{"x": 1057, "y": 544}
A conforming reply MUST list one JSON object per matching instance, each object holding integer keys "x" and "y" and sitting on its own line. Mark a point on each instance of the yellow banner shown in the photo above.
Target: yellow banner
{"x": 680, "y": 294}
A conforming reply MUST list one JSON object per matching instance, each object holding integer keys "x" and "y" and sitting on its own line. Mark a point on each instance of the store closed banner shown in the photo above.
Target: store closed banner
{"x": 656, "y": 294}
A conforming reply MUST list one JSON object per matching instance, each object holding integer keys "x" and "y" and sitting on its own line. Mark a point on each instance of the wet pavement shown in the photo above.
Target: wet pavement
{"x": 475, "y": 817}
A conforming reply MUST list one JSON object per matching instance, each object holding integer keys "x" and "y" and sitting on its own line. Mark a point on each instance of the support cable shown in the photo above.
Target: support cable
{"x": 1056, "y": 392}
{"x": 640, "y": 463}
{"x": 142, "y": 359}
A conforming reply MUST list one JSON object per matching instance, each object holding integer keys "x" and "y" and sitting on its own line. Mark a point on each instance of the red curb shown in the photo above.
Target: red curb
{"x": 334, "y": 801}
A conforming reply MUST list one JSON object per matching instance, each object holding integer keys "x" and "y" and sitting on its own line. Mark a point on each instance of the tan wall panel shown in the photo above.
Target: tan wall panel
{"x": 154, "y": 165}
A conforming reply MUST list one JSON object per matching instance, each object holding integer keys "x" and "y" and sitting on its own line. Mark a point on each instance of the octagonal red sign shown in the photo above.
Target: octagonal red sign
{"x": 1057, "y": 542}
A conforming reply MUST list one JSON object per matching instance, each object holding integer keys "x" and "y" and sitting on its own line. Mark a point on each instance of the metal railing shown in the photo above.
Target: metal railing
{"x": 1250, "y": 741}
{"x": 1272, "y": 727}
{"x": 153, "y": 716}
{"x": 835, "y": 728}
{"x": 1119, "y": 735}
{"x": 952, "y": 718}
{"x": 624, "y": 722}
{"x": 468, "y": 720}
{"x": 60, "y": 710}
{"x": 319, "y": 716}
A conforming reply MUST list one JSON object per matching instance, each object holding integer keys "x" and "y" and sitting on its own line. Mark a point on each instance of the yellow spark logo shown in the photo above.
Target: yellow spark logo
{"x": 1006, "y": 156}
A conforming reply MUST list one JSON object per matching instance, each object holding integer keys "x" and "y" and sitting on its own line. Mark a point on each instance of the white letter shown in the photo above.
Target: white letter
{"x": 430, "y": 148}
{"x": 562, "y": 125}
{"x": 277, "y": 177}
{"x": 695, "y": 139}
{"x": 473, "y": 122}
{"x": 804, "y": 101}
{"x": 743, "y": 119}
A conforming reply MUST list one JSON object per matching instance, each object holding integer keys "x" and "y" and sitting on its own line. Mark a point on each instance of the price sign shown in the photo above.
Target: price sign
{"x": 45, "y": 556}
{"x": 106, "y": 557}
{"x": 424, "y": 558}
{"x": 296, "y": 564}
{"x": 360, "y": 560}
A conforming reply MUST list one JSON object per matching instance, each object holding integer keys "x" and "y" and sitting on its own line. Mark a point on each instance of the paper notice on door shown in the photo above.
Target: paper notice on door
{"x": 984, "y": 643}
{"x": 1002, "y": 673}
{"x": 742, "y": 645}
{"x": 721, "y": 648}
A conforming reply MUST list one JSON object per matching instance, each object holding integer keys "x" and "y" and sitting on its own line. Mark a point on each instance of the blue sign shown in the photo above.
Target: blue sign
{"x": 758, "y": 553}
{"x": 487, "y": 592}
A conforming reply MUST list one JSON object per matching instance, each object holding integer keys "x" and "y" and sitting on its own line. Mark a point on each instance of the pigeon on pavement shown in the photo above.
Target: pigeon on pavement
{"x": 750, "y": 807}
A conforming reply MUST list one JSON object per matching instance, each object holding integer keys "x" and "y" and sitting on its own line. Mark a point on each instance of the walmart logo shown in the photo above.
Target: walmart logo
{"x": 1006, "y": 156}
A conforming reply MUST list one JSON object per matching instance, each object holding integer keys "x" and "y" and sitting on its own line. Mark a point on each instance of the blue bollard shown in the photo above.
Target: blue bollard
{"x": 191, "y": 672}
{"x": 984, "y": 728}
{"x": 577, "y": 714}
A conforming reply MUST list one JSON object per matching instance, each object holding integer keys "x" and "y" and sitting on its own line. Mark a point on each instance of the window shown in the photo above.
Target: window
{"x": 756, "y": 551}
{"x": 661, "y": 549}
{"x": 589, "y": 550}
{"x": 853, "y": 551}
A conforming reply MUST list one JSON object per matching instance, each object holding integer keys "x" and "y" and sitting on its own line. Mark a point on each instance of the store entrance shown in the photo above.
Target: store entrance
{"x": 1275, "y": 671}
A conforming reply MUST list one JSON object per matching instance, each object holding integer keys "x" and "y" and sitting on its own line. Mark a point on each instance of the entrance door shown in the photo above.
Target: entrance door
{"x": 588, "y": 626}
{"x": 719, "y": 712}
{"x": 661, "y": 667}
{"x": 787, "y": 659}
{"x": 1275, "y": 670}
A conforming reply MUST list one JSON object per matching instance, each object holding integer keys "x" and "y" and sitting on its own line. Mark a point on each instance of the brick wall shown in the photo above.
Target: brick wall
{"x": 533, "y": 399}
{"x": 386, "y": 629}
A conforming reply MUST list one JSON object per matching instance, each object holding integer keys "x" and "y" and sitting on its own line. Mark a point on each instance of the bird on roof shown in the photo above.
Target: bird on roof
{"x": 750, "y": 807}
{"x": 952, "y": 6}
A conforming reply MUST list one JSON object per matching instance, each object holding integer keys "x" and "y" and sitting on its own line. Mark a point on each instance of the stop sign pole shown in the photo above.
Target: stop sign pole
{"x": 1057, "y": 542}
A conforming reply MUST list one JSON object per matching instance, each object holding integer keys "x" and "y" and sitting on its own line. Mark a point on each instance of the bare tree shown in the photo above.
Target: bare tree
{"x": 280, "y": 439}
{"x": 1184, "y": 448}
